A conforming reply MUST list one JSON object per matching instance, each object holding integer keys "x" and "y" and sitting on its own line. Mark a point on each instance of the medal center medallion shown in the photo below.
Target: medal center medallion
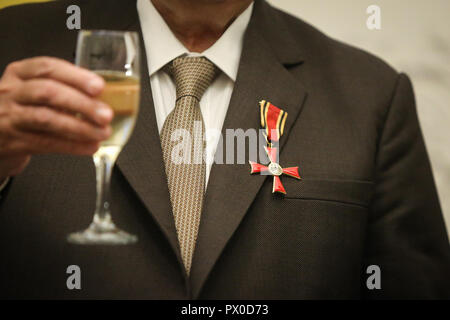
{"x": 275, "y": 169}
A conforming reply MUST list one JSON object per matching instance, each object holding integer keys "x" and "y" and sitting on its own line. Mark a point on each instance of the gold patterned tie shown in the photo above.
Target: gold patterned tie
{"x": 183, "y": 144}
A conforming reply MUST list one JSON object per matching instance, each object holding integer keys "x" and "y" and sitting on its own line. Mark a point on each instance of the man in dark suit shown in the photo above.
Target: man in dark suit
{"x": 366, "y": 197}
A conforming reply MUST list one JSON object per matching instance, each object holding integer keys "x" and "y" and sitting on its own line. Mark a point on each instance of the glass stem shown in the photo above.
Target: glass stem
{"x": 103, "y": 167}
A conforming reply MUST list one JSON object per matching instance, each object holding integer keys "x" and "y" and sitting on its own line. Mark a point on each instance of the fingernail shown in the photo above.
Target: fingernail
{"x": 104, "y": 133}
{"x": 95, "y": 85}
{"x": 105, "y": 112}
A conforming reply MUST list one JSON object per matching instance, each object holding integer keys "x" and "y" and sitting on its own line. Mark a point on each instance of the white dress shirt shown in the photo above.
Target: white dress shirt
{"x": 162, "y": 47}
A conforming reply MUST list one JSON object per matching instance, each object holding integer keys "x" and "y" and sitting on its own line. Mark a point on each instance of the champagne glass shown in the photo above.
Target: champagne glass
{"x": 113, "y": 55}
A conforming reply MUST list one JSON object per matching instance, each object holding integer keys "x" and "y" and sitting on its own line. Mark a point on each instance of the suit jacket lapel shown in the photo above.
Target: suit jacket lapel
{"x": 141, "y": 160}
{"x": 231, "y": 190}
{"x": 142, "y": 164}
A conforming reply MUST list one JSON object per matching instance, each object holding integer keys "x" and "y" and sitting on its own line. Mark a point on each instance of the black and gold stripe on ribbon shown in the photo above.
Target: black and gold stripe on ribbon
{"x": 273, "y": 120}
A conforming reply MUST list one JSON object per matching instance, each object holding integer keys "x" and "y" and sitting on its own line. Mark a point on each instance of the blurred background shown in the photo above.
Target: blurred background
{"x": 414, "y": 38}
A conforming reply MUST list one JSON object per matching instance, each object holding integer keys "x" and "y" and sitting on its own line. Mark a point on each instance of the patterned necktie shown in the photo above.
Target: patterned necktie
{"x": 183, "y": 148}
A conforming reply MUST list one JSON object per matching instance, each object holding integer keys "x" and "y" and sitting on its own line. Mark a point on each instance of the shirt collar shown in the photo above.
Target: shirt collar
{"x": 162, "y": 46}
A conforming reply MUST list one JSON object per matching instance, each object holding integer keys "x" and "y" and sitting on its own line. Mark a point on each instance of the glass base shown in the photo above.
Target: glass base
{"x": 103, "y": 234}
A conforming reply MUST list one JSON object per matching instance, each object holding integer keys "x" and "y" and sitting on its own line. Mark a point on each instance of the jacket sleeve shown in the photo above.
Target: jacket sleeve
{"x": 407, "y": 238}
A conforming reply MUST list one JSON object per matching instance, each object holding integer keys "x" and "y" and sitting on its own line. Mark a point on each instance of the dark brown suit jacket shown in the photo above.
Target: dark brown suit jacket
{"x": 367, "y": 194}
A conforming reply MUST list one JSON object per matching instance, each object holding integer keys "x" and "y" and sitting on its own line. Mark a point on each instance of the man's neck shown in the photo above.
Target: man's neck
{"x": 198, "y": 24}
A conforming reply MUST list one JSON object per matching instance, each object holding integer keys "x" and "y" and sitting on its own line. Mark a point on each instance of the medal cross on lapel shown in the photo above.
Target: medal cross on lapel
{"x": 272, "y": 121}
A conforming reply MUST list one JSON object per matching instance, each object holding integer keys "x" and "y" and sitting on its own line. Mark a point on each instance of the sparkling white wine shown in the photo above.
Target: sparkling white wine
{"x": 121, "y": 93}
{"x": 102, "y": 51}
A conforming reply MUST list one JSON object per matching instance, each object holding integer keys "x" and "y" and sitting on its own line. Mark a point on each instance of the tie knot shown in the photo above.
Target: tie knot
{"x": 192, "y": 75}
